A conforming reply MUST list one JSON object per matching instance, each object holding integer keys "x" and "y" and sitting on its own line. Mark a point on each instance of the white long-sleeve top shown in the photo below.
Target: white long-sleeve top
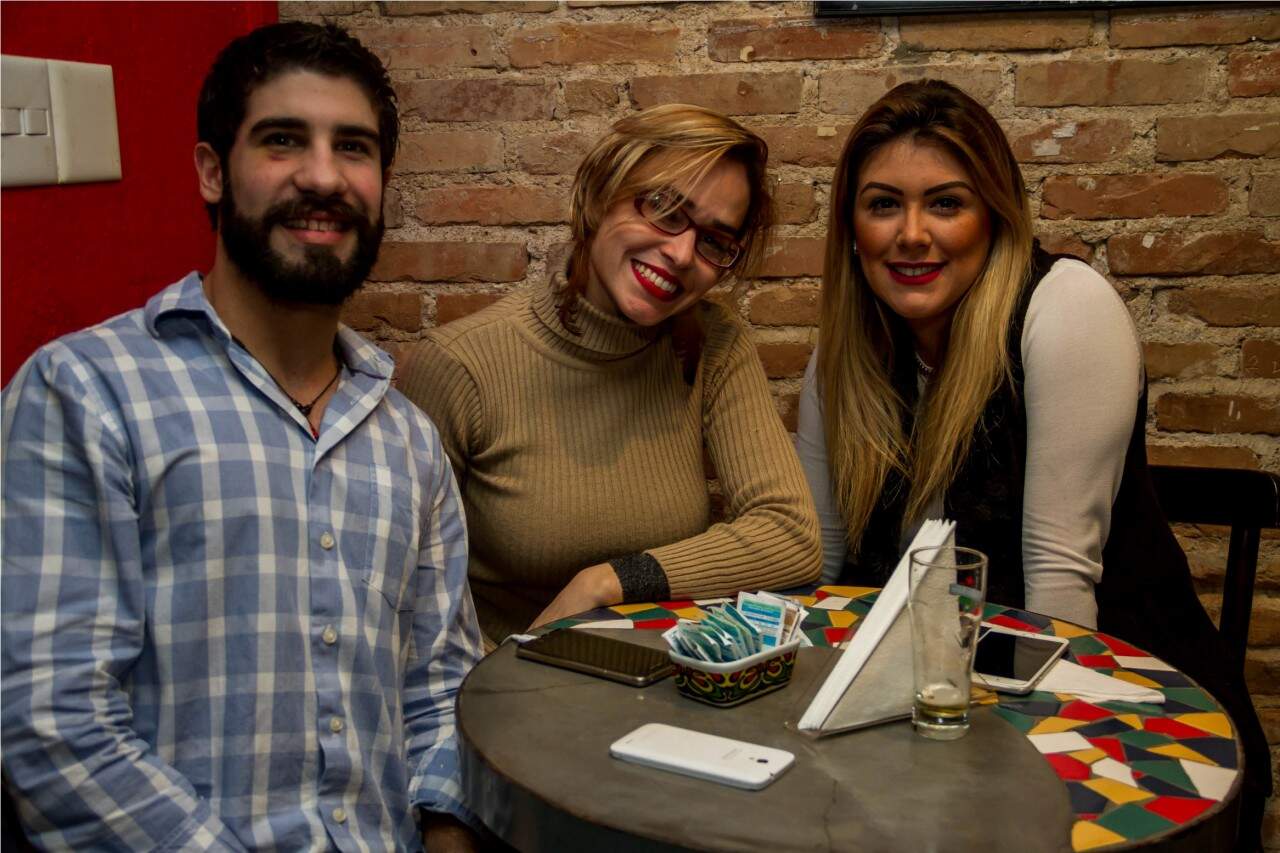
{"x": 1083, "y": 375}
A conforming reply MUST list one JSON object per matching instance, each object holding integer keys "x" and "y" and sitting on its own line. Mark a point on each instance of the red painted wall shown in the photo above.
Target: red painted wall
{"x": 75, "y": 255}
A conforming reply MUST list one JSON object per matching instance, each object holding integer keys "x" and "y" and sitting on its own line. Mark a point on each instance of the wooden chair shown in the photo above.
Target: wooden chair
{"x": 1247, "y": 502}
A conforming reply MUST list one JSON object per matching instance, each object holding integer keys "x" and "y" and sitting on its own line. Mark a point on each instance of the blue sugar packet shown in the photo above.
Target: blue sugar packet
{"x": 752, "y": 636}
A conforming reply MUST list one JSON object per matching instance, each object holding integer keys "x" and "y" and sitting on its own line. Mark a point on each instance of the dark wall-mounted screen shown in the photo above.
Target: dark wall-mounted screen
{"x": 854, "y": 8}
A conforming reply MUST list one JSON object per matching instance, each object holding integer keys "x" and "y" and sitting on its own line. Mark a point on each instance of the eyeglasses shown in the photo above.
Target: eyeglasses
{"x": 662, "y": 210}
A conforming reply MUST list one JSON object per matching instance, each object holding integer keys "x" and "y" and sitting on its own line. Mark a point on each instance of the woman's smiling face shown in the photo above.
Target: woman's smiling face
{"x": 640, "y": 273}
{"x": 923, "y": 233}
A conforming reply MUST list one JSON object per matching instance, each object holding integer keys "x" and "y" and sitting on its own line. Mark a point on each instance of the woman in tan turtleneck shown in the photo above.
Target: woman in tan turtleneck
{"x": 576, "y": 417}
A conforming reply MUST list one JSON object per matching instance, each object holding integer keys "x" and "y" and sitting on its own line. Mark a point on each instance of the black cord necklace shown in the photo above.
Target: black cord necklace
{"x": 305, "y": 408}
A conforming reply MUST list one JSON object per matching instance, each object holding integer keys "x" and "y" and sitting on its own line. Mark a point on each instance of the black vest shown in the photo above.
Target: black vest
{"x": 1146, "y": 596}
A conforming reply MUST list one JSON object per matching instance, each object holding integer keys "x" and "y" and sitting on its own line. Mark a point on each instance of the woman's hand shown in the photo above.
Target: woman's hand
{"x": 596, "y": 586}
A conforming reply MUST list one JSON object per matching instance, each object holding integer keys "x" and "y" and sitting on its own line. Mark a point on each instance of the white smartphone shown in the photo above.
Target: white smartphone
{"x": 703, "y": 756}
{"x": 1013, "y": 661}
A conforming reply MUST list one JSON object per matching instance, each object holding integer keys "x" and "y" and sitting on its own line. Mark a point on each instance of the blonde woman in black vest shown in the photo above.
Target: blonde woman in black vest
{"x": 962, "y": 372}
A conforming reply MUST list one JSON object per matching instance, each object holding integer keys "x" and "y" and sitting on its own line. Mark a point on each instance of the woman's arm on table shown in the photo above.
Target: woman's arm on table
{"x": 770, "y": 538}
{"x": 811, "y": 445}
{"x": 1083, "y": 369}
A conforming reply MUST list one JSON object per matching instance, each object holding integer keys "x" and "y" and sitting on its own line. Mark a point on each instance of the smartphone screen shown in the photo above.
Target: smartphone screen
{"x": 595, "y": 655}
{"x": 1013, "y": 656}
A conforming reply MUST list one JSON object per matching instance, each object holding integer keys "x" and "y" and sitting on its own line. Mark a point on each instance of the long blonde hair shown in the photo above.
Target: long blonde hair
{"x": 862, "y": 412}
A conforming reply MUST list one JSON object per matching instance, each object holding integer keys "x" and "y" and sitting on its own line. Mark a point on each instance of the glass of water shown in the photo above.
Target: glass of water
{"x": 948, "y": 587}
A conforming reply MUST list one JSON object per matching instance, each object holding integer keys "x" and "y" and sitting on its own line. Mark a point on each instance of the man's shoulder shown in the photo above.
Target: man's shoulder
{"x": 96, "y": 348}
{"x": 128, "y": 336}
{"x": 421, "y": 430}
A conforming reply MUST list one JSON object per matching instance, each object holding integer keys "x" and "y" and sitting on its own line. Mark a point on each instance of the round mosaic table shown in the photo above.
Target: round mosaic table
{"x": 1037, "y": 772}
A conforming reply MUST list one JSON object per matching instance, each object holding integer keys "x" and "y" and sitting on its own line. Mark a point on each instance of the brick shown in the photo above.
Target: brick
{"x": 479, "y": 7}
{"x": 1262, "y": 671}
{"x": 1264, "y": 194}
{"x": 322, "y": 9}
{"x": 1144, "y": 29}
{"x": 1218, "y": 413}
{"x": 1251, "y": 73}
{"x": 1019, "y": 31}
{"x": 367, "y": 310}
{"x": 392, "y": 208}
{"x": 734, "y": 94}
{"x": 755, "y": 39}
{"x": 451, "y": 262}
{"x": 1206, "y": 137}
{"x": 452, "y": 306}
{"x": 1229, "y": 305}
{"x": 1203, "y": 455}
{"x": 553, "y": 153}
{"x": 794, "y": 256}
{"x": 1065, "y": 243}
{"x": 784, "y": 359}
{"x": 1260, "y": 359}
{"x": 587, "y": 4}
{"x": 565, "y": 43}
{"x": 1087, "y": 141}
{"x": 805, "y": 146}
{"x": 1270, "y": 718}
{"x": 410, "y": 48}
{"x": 1264, "y": 625}
{"x": 850, "y": 92}
{"x": 1178, "y": 361}
{"x": 786, "y": 306}
{"x": 1132, "y": 196}
{"x": 558, "y": 257}
{"x": 590, "y": 96}
{"x": 505, "y": 205}
{"x": 450, "y": 151}
{"x": 788, "y": 406}
{"x": 1193, "y": 253}
{"x": 478, "y": 100}
{"x": 1116, "y": 82}
{"x": 794, "y": 203}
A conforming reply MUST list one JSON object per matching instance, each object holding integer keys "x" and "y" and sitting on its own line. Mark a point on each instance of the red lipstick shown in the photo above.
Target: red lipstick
{"x": 914, "y": 274}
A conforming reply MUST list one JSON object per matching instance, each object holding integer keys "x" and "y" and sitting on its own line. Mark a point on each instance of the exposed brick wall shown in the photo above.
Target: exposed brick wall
{"x": 1150, "y": 141}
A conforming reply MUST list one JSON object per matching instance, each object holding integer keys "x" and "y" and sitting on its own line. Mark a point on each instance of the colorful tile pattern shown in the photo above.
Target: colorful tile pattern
{"x": 1133, "y": 771}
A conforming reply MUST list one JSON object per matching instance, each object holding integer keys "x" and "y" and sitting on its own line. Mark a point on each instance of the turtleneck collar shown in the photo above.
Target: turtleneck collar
{"x": 603, "y": 335}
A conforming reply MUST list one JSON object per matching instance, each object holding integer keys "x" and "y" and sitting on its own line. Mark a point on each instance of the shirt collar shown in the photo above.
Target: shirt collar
{"x": 186, "y": 298}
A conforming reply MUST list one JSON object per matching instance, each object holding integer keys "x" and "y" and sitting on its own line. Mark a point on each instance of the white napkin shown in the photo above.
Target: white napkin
{"x": 1068, "y": 677}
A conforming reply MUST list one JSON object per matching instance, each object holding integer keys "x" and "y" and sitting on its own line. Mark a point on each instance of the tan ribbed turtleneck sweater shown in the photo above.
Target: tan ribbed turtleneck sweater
{"x": 571, "y": 450}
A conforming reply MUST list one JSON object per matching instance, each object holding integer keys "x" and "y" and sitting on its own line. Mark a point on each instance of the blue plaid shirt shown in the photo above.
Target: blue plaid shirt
{"x": 219, "y": 632}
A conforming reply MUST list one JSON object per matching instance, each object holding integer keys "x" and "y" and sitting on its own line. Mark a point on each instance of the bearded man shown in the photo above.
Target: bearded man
{"x": 235, "y": 611}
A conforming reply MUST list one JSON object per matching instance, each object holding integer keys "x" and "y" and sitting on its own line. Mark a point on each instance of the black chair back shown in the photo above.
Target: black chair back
{"x": 1247, "y": 502}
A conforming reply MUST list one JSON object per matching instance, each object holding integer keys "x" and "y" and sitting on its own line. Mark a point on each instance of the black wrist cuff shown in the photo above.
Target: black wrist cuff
{"x": 641, "y": 578}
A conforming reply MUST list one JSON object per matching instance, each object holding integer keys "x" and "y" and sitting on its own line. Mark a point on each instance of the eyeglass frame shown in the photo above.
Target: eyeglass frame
{"x": 698, "y": 231}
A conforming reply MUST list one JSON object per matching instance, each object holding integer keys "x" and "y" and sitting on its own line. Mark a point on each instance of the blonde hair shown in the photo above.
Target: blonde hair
{"x": 859, "y": 335}
{"x": 663, "y": 146}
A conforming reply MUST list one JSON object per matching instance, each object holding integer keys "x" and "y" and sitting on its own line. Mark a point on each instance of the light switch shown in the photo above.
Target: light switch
{"x": 59, "y": 122}
{"x": 35, "y": 122}
{"x": 25, "y": 160}
{"x": 84, "y": 121}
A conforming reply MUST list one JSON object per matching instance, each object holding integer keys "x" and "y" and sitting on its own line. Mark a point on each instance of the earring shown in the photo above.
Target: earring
{"x": 855, "y": 247}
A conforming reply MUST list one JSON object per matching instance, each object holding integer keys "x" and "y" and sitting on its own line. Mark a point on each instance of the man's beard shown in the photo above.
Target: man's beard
{"x": 321, "y": 277}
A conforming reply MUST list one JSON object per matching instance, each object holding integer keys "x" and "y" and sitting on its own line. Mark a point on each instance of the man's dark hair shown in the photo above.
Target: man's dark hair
{"x": 254, "y": 59}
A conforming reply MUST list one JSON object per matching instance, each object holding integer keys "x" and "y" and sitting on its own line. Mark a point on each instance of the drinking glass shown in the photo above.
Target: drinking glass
{"x": 948, "y": 587}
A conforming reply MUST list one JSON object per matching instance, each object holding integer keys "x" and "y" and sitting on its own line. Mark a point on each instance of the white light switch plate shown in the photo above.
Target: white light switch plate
{"x": 25, "y": 160}
{"x": 84, "y": 122}
{"x": 67, "y": 133}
